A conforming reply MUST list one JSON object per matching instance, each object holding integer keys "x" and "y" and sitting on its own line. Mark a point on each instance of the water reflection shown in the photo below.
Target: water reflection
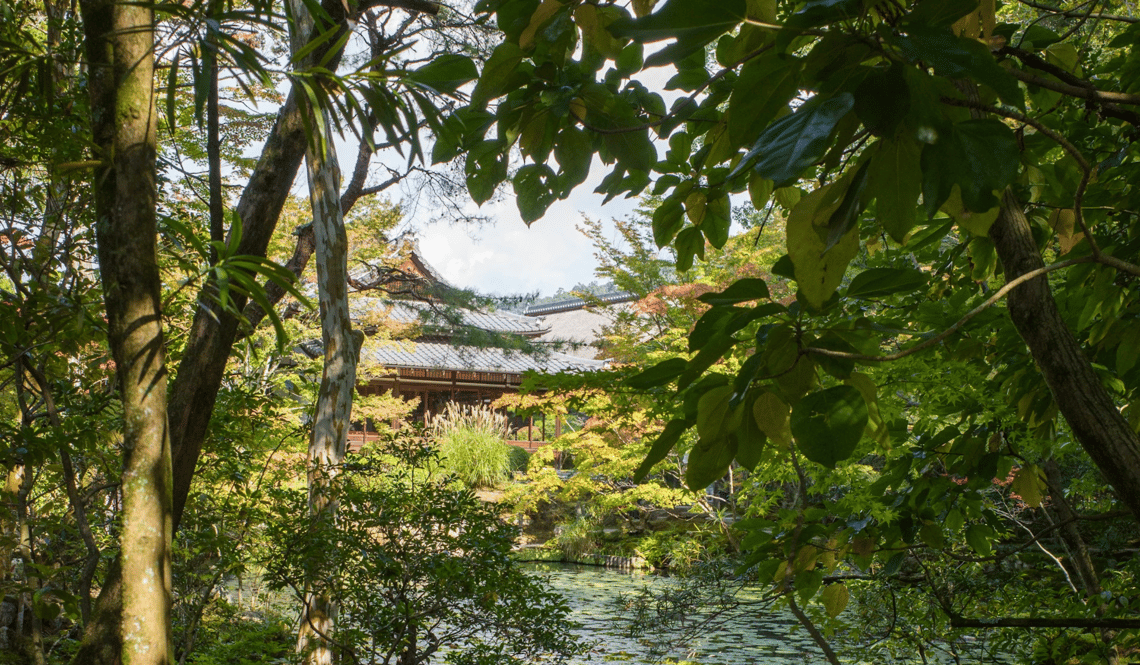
{"x": 592, "y": 593}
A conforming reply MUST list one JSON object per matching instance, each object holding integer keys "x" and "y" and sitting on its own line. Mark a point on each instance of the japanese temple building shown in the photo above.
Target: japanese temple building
{"x": 436, "y": 366}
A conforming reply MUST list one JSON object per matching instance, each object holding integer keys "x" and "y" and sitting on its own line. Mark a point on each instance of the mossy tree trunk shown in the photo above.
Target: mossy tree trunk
{"x": 120, "y": 51}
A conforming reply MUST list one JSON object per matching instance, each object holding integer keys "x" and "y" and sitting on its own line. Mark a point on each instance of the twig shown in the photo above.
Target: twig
{"x": 989, "y": 302}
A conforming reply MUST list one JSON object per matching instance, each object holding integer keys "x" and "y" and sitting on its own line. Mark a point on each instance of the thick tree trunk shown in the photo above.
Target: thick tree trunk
{"x": 120, "y": 49}
{"x": 338, "y": 379}
{"x": 1081, "y": 398}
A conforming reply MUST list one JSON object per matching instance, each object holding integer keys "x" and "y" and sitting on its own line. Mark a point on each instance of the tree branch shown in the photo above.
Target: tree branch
{"x": 1081, "y": 92}
{"x": 1074, "y": 14}
{"x": 989, "y": 302}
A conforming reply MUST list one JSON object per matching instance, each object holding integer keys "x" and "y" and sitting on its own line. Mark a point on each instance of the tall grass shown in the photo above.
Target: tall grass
{"x": 472, "y": 444}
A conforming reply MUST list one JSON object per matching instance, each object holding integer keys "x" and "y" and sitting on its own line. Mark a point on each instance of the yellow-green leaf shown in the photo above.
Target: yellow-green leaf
{"x": 1029, "y": 485}
{"x": 773, "y": 417}
{"x": 715, "y": 416}
{"x": 818, "y": 272}
{"x": 834, "y": 598}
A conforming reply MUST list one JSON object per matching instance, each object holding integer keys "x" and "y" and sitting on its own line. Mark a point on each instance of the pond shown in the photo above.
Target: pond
{"x": 594, "y": 592}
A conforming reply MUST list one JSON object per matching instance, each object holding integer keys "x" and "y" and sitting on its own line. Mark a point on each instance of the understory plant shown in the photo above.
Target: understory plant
{"x": 472, "y": 444}
{"x": 421, "y": 568}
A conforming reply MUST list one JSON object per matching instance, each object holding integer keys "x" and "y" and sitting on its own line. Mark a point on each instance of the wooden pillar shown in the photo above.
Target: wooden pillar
{"x": 529, "y": 427}
{"x": 452, "y": 385}
{"x": 557, "y": 425}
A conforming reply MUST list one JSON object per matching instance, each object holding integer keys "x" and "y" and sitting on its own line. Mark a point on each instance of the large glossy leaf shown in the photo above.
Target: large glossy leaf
{"x": 895, "y": 181}
{"x": 658, "y": 375}
{"x": 882, "y": 100}
{"x": 690, "y": 244}
{"x": 661, "y": 447}
{"x": 708, "y": 461}
{"x": 715, "y": 416}
{"x": 939, "y": 12}
{"x": 766, "y": 84}
{"x": 486, "y": 167}
{"x": 742, "y": 290}
{"x": 980, "y": 156}
{"x": 793, "y": 143}
{"x": 818, "y": 270}
{"x": 499, "y": 74}
{"x": 445, "y": 73}
{"x": 824, "y": 12}
{"x": 828, "y": 424}
{"x": 668, "y": 220}
{"x": 846, "y": 216}
{"x": 750, "y": 441}
{"x": 533, "y": 191}
{"x": 693, "y": 23}
{"x": 879, "y": 282}
{"x": 957, "y": 57}
{"x": 465, "y": 126}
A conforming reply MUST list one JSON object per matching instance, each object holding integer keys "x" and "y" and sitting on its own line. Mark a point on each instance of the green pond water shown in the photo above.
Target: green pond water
{"x": 593, "y": 594}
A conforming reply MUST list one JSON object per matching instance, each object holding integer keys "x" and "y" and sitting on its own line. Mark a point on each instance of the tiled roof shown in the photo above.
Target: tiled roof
{"x": 440, "y": 355}
{"x": 411, "y": 311}
{"x": 571, "y": 304}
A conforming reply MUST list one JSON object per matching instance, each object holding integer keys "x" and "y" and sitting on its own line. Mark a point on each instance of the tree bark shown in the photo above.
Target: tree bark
{"x": 338, "y": 378}
{"x": 120, "y": 48}
{"x": 1082, "y": 399}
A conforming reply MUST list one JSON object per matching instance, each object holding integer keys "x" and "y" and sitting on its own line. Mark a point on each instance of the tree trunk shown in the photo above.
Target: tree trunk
{"x": 338, "y": 379}
{"x": 120, "y": 49}
{"x": 1081, "y": 398}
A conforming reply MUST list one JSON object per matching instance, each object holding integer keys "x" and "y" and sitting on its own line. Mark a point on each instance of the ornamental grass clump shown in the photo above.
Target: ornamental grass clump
{"x": 472, "y": 444}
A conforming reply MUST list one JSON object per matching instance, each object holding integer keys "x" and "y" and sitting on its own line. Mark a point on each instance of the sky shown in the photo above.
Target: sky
{"x": 508, "y": 258}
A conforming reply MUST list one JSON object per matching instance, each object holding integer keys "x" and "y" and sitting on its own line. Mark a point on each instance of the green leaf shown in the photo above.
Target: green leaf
{"x": 445, "y": 73}
{"x": 879, "y": 282}
{"x": 1029, "y": 485}
{"x": 715, "y": 416}
{"x": 828, "y": 424}
{"x": 742, "y": 290}
{"x": 660, "y": 448}
{"x": 658, "y": 375}
{"x": 882, "y": 100}
{"x": 939, "y": 13}
{"x": 895, "y": 181}
{"x": 486, "y": 167}
{"x": 464, "y": 127}
{"x": 818, "y": 270}
{"x": 750, "y": 440}
{"x": 533, "y": 193}
{"x": 957, "y": 57}
{"x": 771, "y": 416}
{"x": 693, "y": 23}
{"x": 765, "y": 86}
{"x": 708, "y": 461}
{"x": 980, "y": 156}
{"x": 824, "y": 12}
{"x": 793, "y": 143}
{"x": 978, "y": 536}
{"x": 690, "y": 243}
{"x": 845, "y": 217}
{"x": 717, "y": 221}
{"x": 574, "y": 151}
{"x": 499, "y": 74}
{"x": 667, "y": 221}
{"x": 834, "y": 598}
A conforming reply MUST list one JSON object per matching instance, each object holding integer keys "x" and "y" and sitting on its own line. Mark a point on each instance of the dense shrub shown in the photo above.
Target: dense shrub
{"x": 422, "y": 569}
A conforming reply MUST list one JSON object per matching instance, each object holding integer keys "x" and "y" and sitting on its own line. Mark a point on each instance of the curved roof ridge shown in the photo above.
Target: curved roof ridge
{"x": 570, "y": 304}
